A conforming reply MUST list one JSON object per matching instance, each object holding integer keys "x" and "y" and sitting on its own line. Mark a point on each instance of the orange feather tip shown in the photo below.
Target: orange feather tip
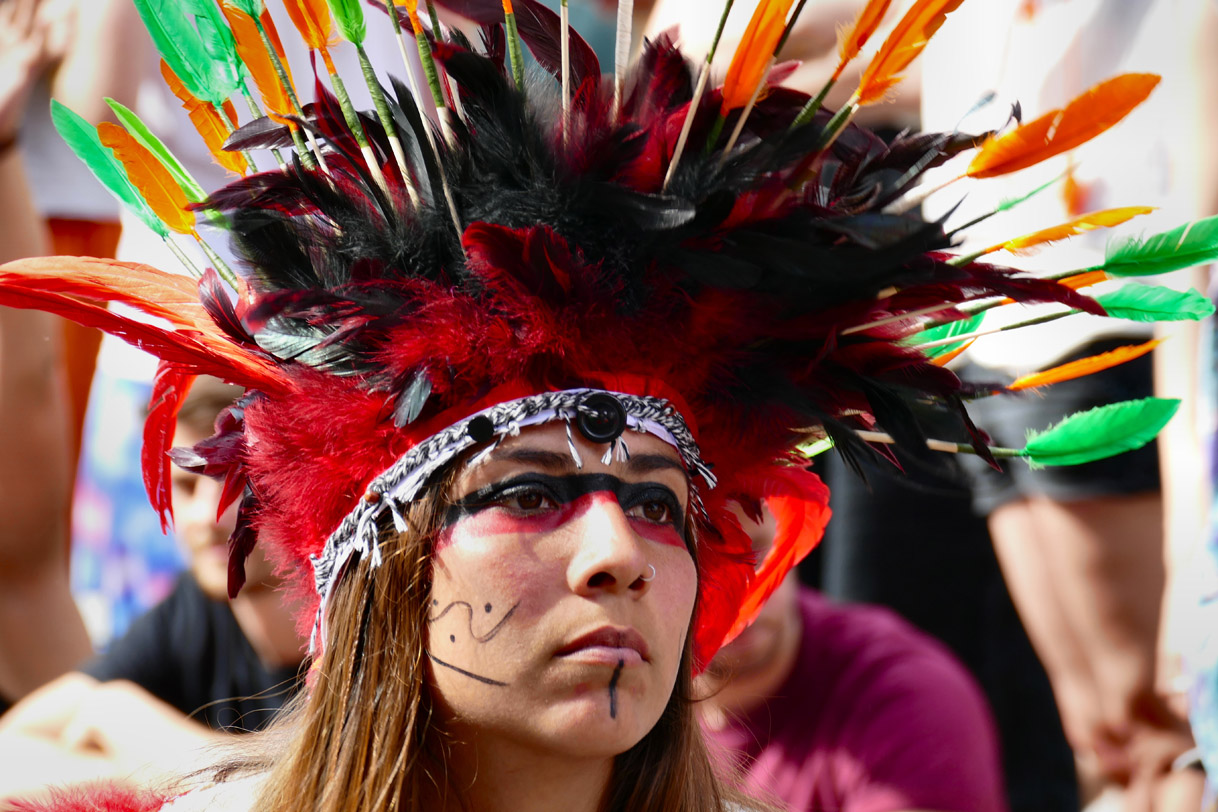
{"x": 750, "y": 64}
{"x": 902, "y": 47}
{"x": 1058, "y": 131}
{"x": 947, "y": 357}
{"x": 1083, "y": 366}
{"x": 312, "y": 19}
{"x": 147, "y": 174}
{"x": 254, "y": 54}
{"x": 207, "y": 122}
{"x": 852, "y": 38}
{"x": 1107, "y": 218}
{"x": 1084, "y": 280}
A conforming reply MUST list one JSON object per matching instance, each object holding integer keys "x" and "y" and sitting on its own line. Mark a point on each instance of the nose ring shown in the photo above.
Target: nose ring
{"x": 653, "y": 575}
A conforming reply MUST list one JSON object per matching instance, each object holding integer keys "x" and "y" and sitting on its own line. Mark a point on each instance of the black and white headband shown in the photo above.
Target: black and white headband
{"x": 600, "y": 416}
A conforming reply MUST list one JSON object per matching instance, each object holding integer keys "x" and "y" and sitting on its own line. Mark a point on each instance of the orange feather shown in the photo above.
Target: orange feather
{"x": 947, "y": 357}
{"x": 208, "y": 122}
{"x": 1060, "y": 130}
{"x": 851, "y": 40}
{"x": 751, "y": 62}
{"x": 1083, "y": 280}
{"x": 1106, "y": 218}
{"x": 254, "y": 54}
{"x": 902, "y": 47}
{"x": 147, "y": 174}
{"x": 312, "y": 20}
{"x": 507, "y": 6}
{"x": 1083, "y": 366}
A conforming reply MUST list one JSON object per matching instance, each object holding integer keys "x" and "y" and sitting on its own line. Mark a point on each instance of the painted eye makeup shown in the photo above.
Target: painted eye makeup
{"x": 536, "y": 494}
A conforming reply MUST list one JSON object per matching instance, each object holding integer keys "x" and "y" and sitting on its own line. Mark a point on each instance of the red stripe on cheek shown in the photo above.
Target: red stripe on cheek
{"x": 501, "y": 521}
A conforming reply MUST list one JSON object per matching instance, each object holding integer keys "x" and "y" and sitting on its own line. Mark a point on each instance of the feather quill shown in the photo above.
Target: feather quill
{"x": 150, "y": 178}
{"x": 1057, "y": 131}
{"x": 207, "y": 121}
{"x": 1082, "y": 367}
{"x": 901, "y": 47}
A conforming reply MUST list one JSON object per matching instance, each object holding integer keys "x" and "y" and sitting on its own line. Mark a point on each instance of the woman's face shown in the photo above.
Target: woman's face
{"x": 561, "y": 596}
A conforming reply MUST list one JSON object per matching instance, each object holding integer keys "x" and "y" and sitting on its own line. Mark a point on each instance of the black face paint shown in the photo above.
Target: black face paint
{"x": 464, "y": 673}
{"x": 470, "y": 609}
{"x": 617, "y": 673}
{"x": 563, "y": 490}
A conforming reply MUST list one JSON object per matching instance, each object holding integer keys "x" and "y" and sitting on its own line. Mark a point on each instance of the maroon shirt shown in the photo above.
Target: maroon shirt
{"x": 875, "y": 717}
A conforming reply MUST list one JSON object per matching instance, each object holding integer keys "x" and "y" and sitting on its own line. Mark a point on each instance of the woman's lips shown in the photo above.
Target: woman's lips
{"x": 608, "y": 645}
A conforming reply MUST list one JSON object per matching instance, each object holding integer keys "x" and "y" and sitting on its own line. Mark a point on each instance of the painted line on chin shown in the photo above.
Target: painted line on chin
{"x": 463, "y": 672}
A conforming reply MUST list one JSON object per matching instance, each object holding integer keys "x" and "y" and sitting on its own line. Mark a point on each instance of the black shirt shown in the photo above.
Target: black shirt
{"x": 190, "y": 651}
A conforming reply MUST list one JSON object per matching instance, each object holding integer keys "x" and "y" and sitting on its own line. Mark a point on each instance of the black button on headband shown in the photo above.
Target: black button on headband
{"x": 481, "y": 429}
{"x": 602, "y": 418}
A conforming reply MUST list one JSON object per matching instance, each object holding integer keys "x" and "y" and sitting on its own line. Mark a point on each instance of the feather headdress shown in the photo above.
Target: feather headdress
{"x": 410, "y": 289}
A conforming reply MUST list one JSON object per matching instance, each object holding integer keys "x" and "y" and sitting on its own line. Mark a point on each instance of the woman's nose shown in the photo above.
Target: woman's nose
{"x": 609, "y": 555}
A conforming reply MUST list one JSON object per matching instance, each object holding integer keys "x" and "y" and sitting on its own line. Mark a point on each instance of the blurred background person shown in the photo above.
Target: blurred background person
{"x": 848, "y": 708}
{"x": 1083, "y": 551}
{"x": 196, "y": 668}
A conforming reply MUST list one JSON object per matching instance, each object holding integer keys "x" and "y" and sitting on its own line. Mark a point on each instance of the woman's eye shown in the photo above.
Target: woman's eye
{"x": 656, "y": 511}
{"x": 527, "y": 501}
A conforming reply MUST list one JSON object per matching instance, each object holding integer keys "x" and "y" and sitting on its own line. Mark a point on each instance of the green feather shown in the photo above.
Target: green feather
{"x": 228, "y": 70}
{"x": 953, "y": 328}
{"x": 816, "y": 448}
{"x": 81, "y": 136}
{"x": 349, "y": 18}
{"x": 1153, "y": 303}
{"x": 180, "y": 45}
{"x": 194, "y": 192}
{"x": 1183, "y": 247}
{"x": 1099, "y": 433}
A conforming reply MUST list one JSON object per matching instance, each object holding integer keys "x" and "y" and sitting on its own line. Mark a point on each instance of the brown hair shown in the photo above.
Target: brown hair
{"x": 363, "y": 739}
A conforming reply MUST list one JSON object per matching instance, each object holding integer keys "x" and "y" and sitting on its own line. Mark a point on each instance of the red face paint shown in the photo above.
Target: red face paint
{"x": 536, "y": 503}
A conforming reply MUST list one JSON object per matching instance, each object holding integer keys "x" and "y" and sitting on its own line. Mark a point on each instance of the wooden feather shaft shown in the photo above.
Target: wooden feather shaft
{"x": 256, "y": 112}
{"x": 281, "y": 72}
{"x": 699, "y": 89}
{"x": 515, "y": 51}
{"x": 939, "y": 445}
{"x": 621, "y": 52}
{"x": 565, "y": 43}
{"x": 186, "y": 261}
{"x": 970, "y": 336}
{"x": 357, "y": 131}
{"x": 382, "y": 112}
{"x": 744, "y": 114}
{"x": 225, "y": 272}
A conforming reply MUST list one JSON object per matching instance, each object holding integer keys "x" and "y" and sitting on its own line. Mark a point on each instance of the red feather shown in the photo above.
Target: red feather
{"x": 97, "y": 797}
{"x": 169, "y": 390}
{"x": 800, "y": 504}
{"x": 198, "y": 345}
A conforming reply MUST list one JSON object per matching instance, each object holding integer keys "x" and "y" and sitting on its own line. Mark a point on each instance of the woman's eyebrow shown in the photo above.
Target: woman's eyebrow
{"x": 543, "y": 459}
{"x": 647, "y": 463}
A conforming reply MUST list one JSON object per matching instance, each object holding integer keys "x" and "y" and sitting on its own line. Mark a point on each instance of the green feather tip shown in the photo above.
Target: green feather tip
{"x": 1153, "y": 303}
{"x": 1099, "y": 433}
{"x": 1182, "y": 247}
{"x": 81, "y": 136}
{"x": 349, "y": 18}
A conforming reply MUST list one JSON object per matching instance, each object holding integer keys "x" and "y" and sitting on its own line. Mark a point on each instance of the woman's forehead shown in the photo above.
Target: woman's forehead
{"x": 551, "y": 447}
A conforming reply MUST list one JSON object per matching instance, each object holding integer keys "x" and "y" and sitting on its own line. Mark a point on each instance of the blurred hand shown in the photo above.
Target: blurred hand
{"x": 34, "y": 35}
